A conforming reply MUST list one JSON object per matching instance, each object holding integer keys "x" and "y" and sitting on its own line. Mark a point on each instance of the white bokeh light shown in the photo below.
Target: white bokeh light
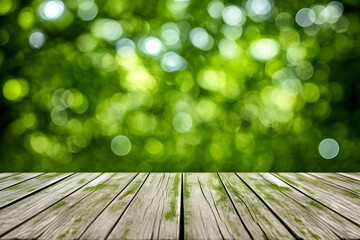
{"x": 37, "y": 40}
{"x": 51, "y": 10}
{"x": 233, "y": 15}
{"x": 215, "y": 9}
{"x": 335, "y": 10}
{"x": 264, "y": 49}
{"x": 125, "y": 47}
{"x": 173, "y": 62}
{"x": 259, "y": 10}
{"x": 182, "y": 122}
{"x": 87, "y": 10}
{"x": 121, "y": 145}
{"x": 170, "y": 34}
{"x": 328, "y": 148}
{"x": 152, "y": 46}
{"x": 305, "y": 17}
{"x": 227, "y": 48}
{"x": 201, "y": 39}
{"x": 108, "y": 29}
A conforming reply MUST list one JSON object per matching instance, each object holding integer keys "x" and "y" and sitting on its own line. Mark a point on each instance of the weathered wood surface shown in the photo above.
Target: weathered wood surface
{"x": 12, "y": 181}
{"x": 347, "y": 205}
{"x": 179, "y": 205}
{"x": 258, "y": 219}
{"x": 155, "y": 212}
{"x": 208, "y": 212}
{"x": 306, "y": 218}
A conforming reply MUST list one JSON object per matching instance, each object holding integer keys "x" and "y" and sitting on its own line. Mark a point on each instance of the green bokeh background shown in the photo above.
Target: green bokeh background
{"x": 63, "y": 103}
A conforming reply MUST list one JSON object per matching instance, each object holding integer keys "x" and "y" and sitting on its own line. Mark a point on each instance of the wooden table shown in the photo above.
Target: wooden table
{"x": 180, "y": 205}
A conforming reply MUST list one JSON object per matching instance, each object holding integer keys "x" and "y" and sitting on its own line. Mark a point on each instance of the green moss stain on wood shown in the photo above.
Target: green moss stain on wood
{"x": 131, "y": 190}
{"x": 186, "y": 191}
{"x": 59, "y": 205}
{"x": 317, "y": 205}
{"x": 82, "y": 181}
{"x": 279, "y": 188}
{"x": 62, "y": 236}
{"x": 218, "y": 187}
{"x": 313, "y": 235}
{"x": 49, "y": 176}
{"x": 15, "y": 187}
{"x": 174, "y": 193}
{"x": 119, "y": 204}
{"x": 31, "y": 189}
{"x": 289, "y": 181}
{"x": 78, "y": 220}
{"x": 94, "y": 188}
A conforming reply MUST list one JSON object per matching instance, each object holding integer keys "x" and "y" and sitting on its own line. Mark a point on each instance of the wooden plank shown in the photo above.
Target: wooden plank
{"x": 343, "y": 202}
{"x": 258, "y": 219}
{"x": 339, "y": 181}
{"x": 70, "y": 217}
{"x": 19, "y": 178}
{"x": 104, "y": 223}
{"x": 355, "y": 176}
{"x": 8, "y": 174}
{"x": 155, "y": 211}
{"x": 27, "y": 188}
{"x": 208, "y": 211}
{"x": 19, "y": 212}
{"x": 304, "y": 217}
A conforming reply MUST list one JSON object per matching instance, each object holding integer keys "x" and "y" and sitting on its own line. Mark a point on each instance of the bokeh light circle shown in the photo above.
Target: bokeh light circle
{"x": 51, "y": 10}
{"x": 182, "y": 122}
{"x": 328, "y": 148}
{"x": 121, "y": 145}
{"x": 37, "y": 40}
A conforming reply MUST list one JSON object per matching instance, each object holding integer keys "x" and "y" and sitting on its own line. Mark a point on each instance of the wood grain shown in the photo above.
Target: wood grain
{"x": 208, "y": 212}
{"x": 179, "y": 206}
{"x": 27, "y": 188}
{"x": 259, "y": 220}
{"x": 348, "y": 205}
{"x": 70, "y": 217}
{"x": 155, "y": 211}
{"x": 306, "y": 218}
{"x": 104, "y": 223}
{"x": 355, "y": 176}
{"x": 339, "y": 181}
{"x": 19, "y": 212}
{"x": 16, "y": 179}
{"x": 8, "y": 174}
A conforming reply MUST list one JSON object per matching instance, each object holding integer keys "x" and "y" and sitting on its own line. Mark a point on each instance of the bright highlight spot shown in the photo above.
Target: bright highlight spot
{"x": 328, "y": 148}
{"x": 170, "y": 33}
{"x": 182, "y": 122}
{"x": 15, "y": 89}
{"x": 125, "y": 47}
{"x": 233, "y": 15}
{"x": 51, "y": 10}
{"x": 153, "y": 46}
{"x": 227, "y": 48}
{"x": 305, "y": 17}
{"x": 108, "y": 29}
{"x": 264, "y": 49}
{"x": 37, "y": 40}
{"x": 215, "y": 9}
{"x": 201, "y": 39}
{"x": 59, "y": 116}
{"x": 87, "y": 10}
{"x": 173, "y": 62}
{"x": 121, "y": 145}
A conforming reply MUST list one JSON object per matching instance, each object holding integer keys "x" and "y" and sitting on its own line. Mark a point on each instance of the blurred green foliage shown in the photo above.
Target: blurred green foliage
{"x": 179, "y": 85}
